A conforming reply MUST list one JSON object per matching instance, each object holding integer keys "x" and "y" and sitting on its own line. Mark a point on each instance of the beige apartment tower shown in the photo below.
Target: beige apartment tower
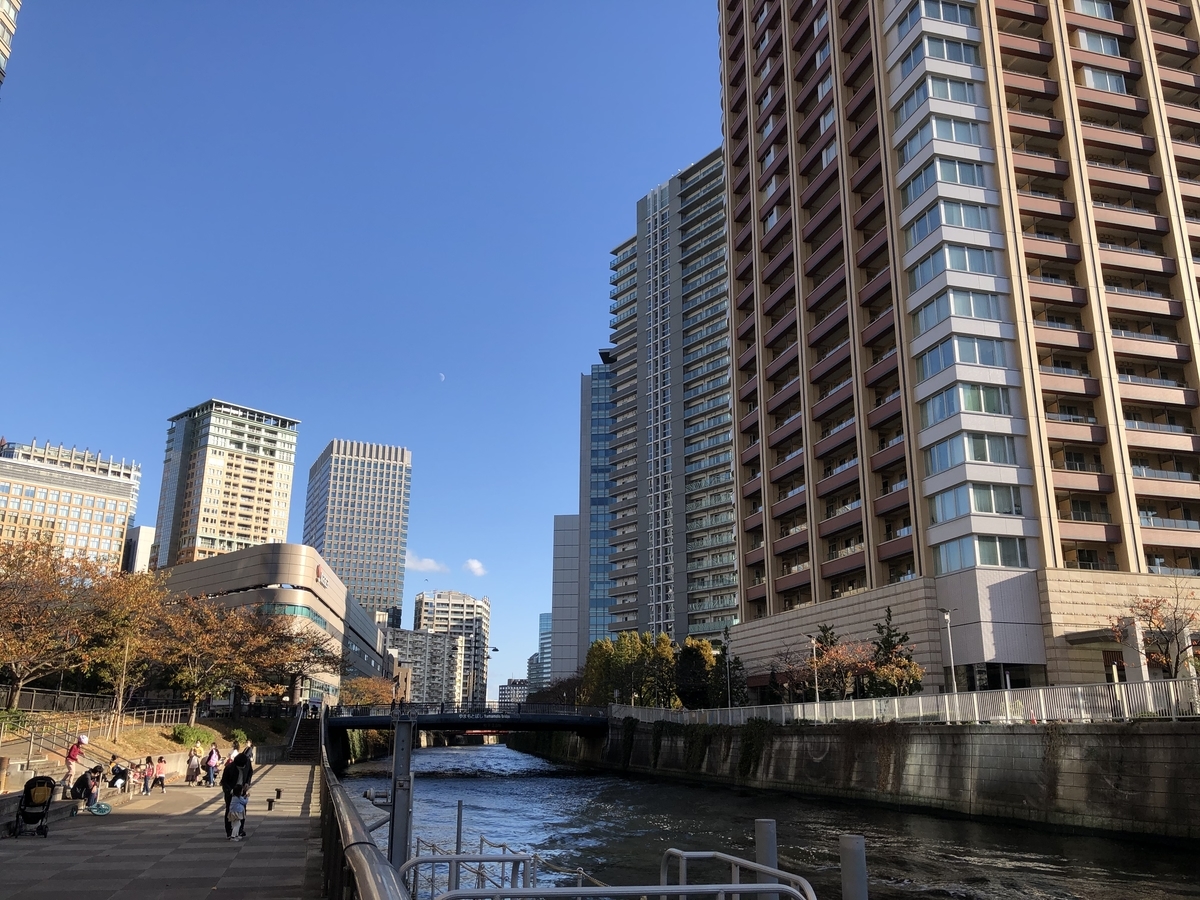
{"x": 227, "y": 482}
{"x": 467, "y": 618}
{"x": 965, "y": 314}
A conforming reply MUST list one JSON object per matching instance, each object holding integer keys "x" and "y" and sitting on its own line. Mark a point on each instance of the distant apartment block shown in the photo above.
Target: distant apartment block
{"x": 565, "y": 606}
{"x": 673, "y": 563}
{"x": 80, "y": 500}
{"x": 9, "y": 10}
{"x": 136, "y": 556}
{"x": 356, "y": 516}
{"x": 437, "y": 662}
{"x": 515, "y": 690}
{"x": 227, "y": 482}
{"x": 466, "y": 617}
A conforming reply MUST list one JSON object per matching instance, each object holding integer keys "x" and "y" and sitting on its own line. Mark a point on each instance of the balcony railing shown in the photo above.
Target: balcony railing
{"x": 1134, "y": 292}
{"x": 1070, "y": 417}
{"x": 1159, "y": 522}
{"x": 1164, "y": 474}
{"x": 1063, "y": 370}
{"x": 846, "y": 551}
{"x": 1156, "y": 382}
{"x": 1072, "y": 466}
{"x": 1085, "y": 515}
{"x": 1139, "y": 425}
{"x": 1143, "y": 336}
{"x": 832, "y": 512}
{"x": 841, "y": 467}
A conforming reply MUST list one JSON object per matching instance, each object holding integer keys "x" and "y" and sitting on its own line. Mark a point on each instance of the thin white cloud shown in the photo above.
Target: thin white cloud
{"x": 419, "y": 564}
{"x": 475, "y": 567}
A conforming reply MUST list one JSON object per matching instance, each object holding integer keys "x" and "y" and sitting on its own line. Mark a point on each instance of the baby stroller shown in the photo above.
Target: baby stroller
{"x": 35, "y": 807}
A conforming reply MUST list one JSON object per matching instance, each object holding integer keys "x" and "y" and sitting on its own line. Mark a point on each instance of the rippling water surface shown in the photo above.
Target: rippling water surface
{"x": 617, "y": 830}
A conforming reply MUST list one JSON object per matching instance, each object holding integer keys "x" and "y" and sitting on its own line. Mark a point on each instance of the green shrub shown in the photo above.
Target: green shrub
{"x": 189, "y": 734}
{"x": 278, "y": 726}
{"x": 240, "y": 736}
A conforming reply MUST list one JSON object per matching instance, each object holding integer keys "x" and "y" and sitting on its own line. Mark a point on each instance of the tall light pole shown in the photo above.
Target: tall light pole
{"x": 950, "y": 646}
{"x": 728, "y": 683}
{"x": 816, "y": 684}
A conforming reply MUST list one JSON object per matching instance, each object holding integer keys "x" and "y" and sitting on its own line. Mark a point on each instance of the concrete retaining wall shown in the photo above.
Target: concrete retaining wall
{"x": 1141, "y": 777}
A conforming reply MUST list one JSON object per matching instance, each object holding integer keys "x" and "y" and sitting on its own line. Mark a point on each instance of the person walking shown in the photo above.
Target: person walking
{"x": 160, "y": 775}
{"x": 192, "y": 771}
{"x": 73, "y": 754}
{"x": 214, "y": 760}
{"x": 237, "y": 813}
{"x": 147, "y": 775}
{"x": 238, "y": 773}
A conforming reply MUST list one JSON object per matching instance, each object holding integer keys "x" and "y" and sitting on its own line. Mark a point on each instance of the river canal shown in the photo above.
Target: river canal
{"x": 617, "y": 829}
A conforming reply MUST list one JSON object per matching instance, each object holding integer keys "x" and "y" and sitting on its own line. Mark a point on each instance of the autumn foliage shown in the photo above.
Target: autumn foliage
{"x": 61, "y": 613}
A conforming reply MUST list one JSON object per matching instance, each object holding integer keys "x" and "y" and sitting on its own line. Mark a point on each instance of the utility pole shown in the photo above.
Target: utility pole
{"x": 728, "y": 683}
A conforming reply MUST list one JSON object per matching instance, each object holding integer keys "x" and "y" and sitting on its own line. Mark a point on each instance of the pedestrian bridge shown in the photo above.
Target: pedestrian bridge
{"x": 474, "y": 717}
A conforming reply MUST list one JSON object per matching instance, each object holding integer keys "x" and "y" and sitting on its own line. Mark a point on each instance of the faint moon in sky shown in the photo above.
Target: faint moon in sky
{"x": 441, "y": 377}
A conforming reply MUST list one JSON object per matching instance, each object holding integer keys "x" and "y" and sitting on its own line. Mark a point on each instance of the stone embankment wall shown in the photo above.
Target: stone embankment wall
{"x": 1140, "y": 777}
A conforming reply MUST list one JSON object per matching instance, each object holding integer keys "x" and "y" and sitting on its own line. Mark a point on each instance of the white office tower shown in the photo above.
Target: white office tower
{"x": 356, "y": 517}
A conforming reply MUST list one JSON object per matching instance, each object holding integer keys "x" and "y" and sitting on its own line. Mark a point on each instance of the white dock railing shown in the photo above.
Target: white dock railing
{"x": 1167, "y": 699}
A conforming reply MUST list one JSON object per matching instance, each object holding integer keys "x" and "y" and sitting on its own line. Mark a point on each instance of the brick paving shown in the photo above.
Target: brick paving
{"x": 173, "y": 846}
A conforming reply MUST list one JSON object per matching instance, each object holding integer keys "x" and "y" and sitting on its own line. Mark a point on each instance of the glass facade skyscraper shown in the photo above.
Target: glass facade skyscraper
{"x": 595, "y": 471}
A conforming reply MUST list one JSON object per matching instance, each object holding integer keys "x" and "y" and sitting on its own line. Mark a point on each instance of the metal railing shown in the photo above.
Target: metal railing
{"x": 737, "y": 866}
{"x": 38, "y": 700}
{"x": 352, "y": 865}
{"x": 635, "y": 892}
{"x": 49, "y": 735}
{"x": 1172, "y": 699}
{"x": 478, "y": 710}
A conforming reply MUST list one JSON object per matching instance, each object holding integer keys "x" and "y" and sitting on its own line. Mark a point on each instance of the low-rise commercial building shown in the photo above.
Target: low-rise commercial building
{"x": 291, "y": 580}
{"x": 515, "y": 690}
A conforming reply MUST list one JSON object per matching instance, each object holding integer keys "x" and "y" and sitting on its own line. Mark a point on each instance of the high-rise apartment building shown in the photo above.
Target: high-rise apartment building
{"x": 9, "y": 10}
{"x": 435, "y": 660}
{"x": 356, "y": 516}
{"x": 566, "y": 608}
{"x": 673, "y": 567}
{"x": 76, "y": 498}
{"x": 966, "y": 322}
{"x": 542, "y": 676}
{"x": 595, "y": 472}
{"x": 227, "y": 482}
{"x": 467, "y": 617}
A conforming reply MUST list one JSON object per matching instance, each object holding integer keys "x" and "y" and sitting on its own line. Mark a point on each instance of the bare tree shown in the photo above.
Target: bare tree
{"x": 1166, "y": 623}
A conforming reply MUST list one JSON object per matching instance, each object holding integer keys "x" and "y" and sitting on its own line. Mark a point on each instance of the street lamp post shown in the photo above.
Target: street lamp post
{"x": 816, "y": 685}
{"x": 950, "y": 646}
{"x": 728, "y": 683}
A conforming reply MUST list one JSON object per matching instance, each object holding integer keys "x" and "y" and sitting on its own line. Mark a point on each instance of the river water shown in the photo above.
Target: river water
{"x": 617, "y": 830}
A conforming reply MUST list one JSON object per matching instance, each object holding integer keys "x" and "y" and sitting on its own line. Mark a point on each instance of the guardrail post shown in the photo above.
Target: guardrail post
{"x": 401, "y": 824}
{"x": 766, "y": 853}
{"x": 853, "y": 849}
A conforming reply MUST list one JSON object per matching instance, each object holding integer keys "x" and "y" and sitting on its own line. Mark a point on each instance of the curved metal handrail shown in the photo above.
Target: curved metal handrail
{"x": 353, "y": 864}
{"x": 737, "y": 864}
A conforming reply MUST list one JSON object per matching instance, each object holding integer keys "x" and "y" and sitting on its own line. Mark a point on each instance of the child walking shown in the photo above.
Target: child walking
{"x": 236, "y": 817}
{"x": 147, "y": 775}
{"x": 160, "y": 775}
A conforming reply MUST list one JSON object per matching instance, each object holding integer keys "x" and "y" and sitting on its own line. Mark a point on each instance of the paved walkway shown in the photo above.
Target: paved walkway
{"x": 173, "y": 846}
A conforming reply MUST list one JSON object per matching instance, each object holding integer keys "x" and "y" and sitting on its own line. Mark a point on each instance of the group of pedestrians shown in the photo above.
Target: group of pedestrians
{"x": 233, "y": 772}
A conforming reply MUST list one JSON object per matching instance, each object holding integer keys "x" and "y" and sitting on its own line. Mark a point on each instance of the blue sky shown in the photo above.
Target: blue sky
{"x": 318, "y": 210}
